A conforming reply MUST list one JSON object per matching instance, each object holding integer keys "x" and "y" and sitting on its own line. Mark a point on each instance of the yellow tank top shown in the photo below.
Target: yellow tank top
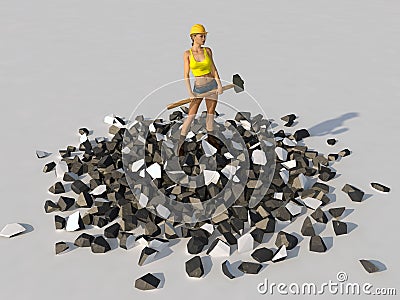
{"x": 200, "y": 67}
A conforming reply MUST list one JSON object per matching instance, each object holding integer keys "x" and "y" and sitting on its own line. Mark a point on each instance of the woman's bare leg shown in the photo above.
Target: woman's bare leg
{"x": 211, "y": 103}
{"x": 193, "y": 107}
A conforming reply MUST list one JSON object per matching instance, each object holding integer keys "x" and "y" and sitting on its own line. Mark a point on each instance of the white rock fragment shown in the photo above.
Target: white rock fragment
{"x": 259, "y": 157}
{"x": 210, "y": 176}
{"x": 220, "y": 249}
{"x": 312, "y": 202}
{"x": 98, "y": 190}
{"x": 154, "y": 170}
{"x": 228, "y": 155}
{"x": 293, "y": 208}
{"x": 137, "y": 165}
{"x": 12, "y": 229}
{"x": 158, "y": 244}
{"x": 163, "y": 211}
{"x": 209, "y": 150}
{"x": 289, "y": 164}
{"x": 237, "y": 146}
{"x": 228, "y": 134}
{"x": 245, "y": 243}
{"x": 208, "y": 227}
{"x": 61, "y": 168}
{"x": 281, "y": 254}
{"x": 289, "y": 142}
{"x": 246, "y": 124}
{"x": 143, "y": 200}
{"x": 42, "y": 154}
{"x": 229, "y": 171}
{"x": 282, "y": 153}
{"x": 74, "y": 222}
{"x": 284, "y": 175}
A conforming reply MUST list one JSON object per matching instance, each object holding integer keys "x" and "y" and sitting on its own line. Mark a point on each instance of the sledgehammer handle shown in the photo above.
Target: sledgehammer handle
{"x": 187, "y": 100}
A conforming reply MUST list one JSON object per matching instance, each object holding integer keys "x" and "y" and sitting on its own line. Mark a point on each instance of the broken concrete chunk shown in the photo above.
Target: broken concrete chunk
{"x": 57, "y": 188}
{"x": 100, "y": 245}
{"x": 194, "y": 267}
{"x": 245, "y": 243}
{"x": 317, "y": 244}
{"x": 354, "y": 193}
{"x": 12, "y": 229}
{"x": 262, "y": 254}
{"x": 84, "y": 240}
{"x": 307, "y": 229}
{"x": 147, "y": 282}
{"x": 250, "y": 267}
{"x": 219, "y": 248}
{"x": 61, "y": 247}
{"x": 380, "y": 187}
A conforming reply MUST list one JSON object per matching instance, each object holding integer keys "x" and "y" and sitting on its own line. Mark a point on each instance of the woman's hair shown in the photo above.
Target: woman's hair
{"x": 191, "y": 37}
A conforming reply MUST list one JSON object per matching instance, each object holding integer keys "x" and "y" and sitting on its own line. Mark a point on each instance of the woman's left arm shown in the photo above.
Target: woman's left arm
{"x": 214, "y": 70}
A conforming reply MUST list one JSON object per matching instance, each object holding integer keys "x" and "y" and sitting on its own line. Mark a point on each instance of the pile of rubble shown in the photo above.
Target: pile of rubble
{"x": 117, "y": 191}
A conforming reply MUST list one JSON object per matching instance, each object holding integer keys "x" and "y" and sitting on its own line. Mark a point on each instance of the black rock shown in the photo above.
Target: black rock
{"x": 147, "y": 255}
{"x": 78, "y": 187}
{"x": 301, "y": 134}
{"x": 126, "y": 240}
{"x": 319, "y": 216}
{"x": 65, "y": 203}
{"x": 99, "y": 221}
{"x": 100, "y": 245}
{"x": 194, "y": 267}
{"x": 70, "y": 177}
{"x": 262, "y": 254}
{"x": 257, "y": 234}
{"x": 112, "y": 231}
{"x": 307, "y": 229}
{"x": 49, "y": 167}
{"x": 105, "y": 162}
{"x": 336, "y": 212}
{"x": 317, "y": 244}
{"x": 344, "y": 152}
{"x": 369, "y": 266}
{"x": 84, "y": 240}
{"x": 289, "y": 119}
{"x": 196, "y": 244}
{"x": 339, "y": 227}
{"x": 83, "y": 131}
{"x": 250, "y": 267}
{"x": 354, "y": 193}
{"x": 50, "y": 206}
{"x": 147, "y": 282}
{"x": 57, "y": 188}
{"x": 284, "y": 238}
{"x": 84, "y": 200}
{"x": 331, "y": 142}
{"x": 380, "y": 187}
{"x": 61, "y": 247}
{"x": 226, "y": 269}
{"x": 59, "y": 222}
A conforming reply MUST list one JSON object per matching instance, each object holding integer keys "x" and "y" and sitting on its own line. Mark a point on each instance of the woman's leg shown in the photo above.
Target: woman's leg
{"x": 193, "y": 107}
{"x": 211, "y": 103}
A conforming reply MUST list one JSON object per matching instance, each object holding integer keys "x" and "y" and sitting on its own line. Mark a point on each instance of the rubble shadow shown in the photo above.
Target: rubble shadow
{"x": 207, "y": 264}
{"x": 328, "y": 241}
{"x": 319, "y": 228}
{"x": 380, "y": 265}
{"x": 332, "y": 126}
{"x": 234, "y": 268}
{"x": 28, "y": 228}
{"x": 366, "y": 197}
{"x": 346, "y": 212}
{"x": 293, "y": 252}
{"x": 351, "y": 226}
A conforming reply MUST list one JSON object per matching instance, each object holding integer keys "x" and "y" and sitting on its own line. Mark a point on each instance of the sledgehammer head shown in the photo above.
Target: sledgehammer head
{"x": 238, "y": 82}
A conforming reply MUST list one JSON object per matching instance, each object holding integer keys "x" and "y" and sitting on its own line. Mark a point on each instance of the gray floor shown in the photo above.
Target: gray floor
{"x": 66, "y": 64}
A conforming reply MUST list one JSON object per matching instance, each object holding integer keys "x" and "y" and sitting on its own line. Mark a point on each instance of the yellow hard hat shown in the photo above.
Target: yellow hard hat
{"x": 197, "y": 28}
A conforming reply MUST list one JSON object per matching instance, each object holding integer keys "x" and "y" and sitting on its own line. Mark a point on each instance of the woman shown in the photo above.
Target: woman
{"x": 199, "y": 60}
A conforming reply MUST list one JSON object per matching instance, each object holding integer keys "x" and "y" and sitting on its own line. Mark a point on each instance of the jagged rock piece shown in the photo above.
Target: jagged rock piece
{"x": 227, "y": 270}
{"x": 59, "y": 222}
{"x": 281, "y": 153}
{"x": 194, "y": 267}
{"x": 262, "y": 254}
{"x": 42, "y": 154}
{"x": 245, "y": 243}
{"x": 126, "y": 240}
{"x": 57, "y": 188}
{"x": 336, "y": 212}
{"x": 158, "y": 244}
{"x": 12, "y": 229}
{"x": 50, "y": 206}
{"x": 147, "y": 255}
{"x": 354, "y": 193}
{"x": 289, "y": 119}
{"x": 84, "y": 240}
{"x": 70, "y": 177}
{"x": 312, "y": 203}
{"x": 258, "y": 157}
{"x": 78, "y": 186}
{"x": 74, "y": 222}
{"x": 250, "y": 267}
{"x": 196, "y": 244}
{"x": 319, "y": 216}
{"x": 369, "y": 266}
{"x": 84, "y": 200}
{"x": 98, "y": 190}
{"x": 61, "y": 247}
{"x": 112, "y": 231}
{"x": 280, "y": 254}
{"x": 65, "y": 203}
{"x": 83, "y": 131}
{"x": 147, "y": 282}
{"x": 100, "y": 245}
{"x": 301, "y": 134}
{"x": 380, "y": 187}
{"x": 287, "y": 239}
{"x": 219, "y": 248}
{"x": 307, "y": 229}
{"x": 317, "y": 244}
{"x": 344, "y": 153}
{"x": 339, "y": 227}
{"x": 209, "y": 150}
{"x": 49, "y": 167}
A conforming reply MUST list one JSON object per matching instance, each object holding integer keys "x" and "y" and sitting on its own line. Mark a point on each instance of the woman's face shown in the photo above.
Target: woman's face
{"x": 200, "y": 38}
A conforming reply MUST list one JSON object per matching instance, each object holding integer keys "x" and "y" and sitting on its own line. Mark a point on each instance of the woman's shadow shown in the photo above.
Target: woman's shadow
{"x": 332, "y": 126}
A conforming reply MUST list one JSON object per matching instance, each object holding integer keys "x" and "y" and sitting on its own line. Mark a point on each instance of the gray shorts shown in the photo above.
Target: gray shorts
{"x": 205, "y": 88}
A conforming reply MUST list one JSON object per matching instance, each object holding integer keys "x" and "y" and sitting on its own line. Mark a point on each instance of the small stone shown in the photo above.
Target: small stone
{"x": 227, "y": 270}
{"x": 336, "y": 212}
{"x": 301, "y": 134}
{"x": 61, "y": 247}
{"x": 78, "y": 187}
{"x": 74, "y": 222}
{"x": 194, "y": 267}
{"x": 65, "y": 203}
{"x": 84, "y": 200}
{"x": 70, "y": 176}
{"x": 84, "y": 240}
{"x": 126, "y": 240}
{"x": 245, "y": 243}
{"x": 354, "y": 193}
{"x": 147, "y": 282}
{"x": 284, "y": 238}
{"x": 57, "y": 188}
{"x": 112, "y": 231}
{"x": 262, "y": 254}
{"x": 59, "y": 222}
{"x": 100, "y": 245}
{"x": 42, "y": 154}
{"x": 317, "y": 244}
{"x": 319, "y": 216}
{"x": 196, "y": 244}
{"x": 50, "y": 206}
{"x": 380, "y": 187}
{"x": 339, "y": 227}
{"x": 250, "y": 267}
{"x": 331, "y": 142}
{"x": 49, "y": 167}
{"x": 280, "y": 254}
{"x": 344, "y": 153}
{"x": 307, "y": 229}
{"x": 147, "y": 255}
{"x": 12, "y": 229}
{"x": 83, "y": 131}
{"x": 369, "y": 266}
{"x": 219, "y": 248}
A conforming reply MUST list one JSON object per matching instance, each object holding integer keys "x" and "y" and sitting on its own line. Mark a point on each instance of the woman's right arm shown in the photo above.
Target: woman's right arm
{"x": 186, "y": 70}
